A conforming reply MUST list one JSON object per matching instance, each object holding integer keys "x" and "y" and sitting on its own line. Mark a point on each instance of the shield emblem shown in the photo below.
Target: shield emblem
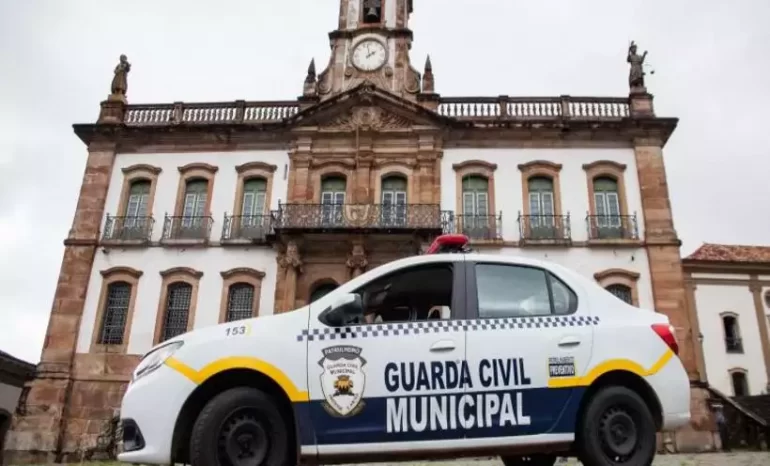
{"x": 343, "y": 380}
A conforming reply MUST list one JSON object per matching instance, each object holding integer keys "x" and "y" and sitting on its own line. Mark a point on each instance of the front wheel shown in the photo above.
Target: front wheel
{"x": 617, "y": 429}
{"x": 240, "y": 427}
{"x": 530, "y": 460}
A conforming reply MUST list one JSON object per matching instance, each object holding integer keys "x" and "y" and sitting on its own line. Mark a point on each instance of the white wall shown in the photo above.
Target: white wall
{"x": 710, "y": 302}
{"x": 588, "y": 261}
{"x": 211, "y": 261}
{"x": 225, "y": 182}
{"x": 573, "y": 181}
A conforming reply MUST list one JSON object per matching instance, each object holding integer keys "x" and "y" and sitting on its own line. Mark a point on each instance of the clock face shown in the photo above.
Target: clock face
{"x": 369, "y": 55}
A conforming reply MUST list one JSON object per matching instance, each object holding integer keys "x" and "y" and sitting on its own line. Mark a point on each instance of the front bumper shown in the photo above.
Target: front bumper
{"x": 148, "y": 415}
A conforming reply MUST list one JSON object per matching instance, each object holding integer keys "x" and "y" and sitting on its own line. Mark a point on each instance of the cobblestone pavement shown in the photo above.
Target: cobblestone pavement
{"x": 706, "y": 459}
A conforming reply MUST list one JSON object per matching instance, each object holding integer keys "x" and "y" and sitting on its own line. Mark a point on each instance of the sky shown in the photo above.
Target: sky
{"x": 57, "y": 57}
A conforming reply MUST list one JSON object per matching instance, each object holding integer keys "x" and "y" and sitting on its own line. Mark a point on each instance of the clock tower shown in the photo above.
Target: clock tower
{"x": 370, "y": 44}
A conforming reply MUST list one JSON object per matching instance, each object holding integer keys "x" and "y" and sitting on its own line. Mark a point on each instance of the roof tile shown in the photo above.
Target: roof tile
{"x": 731, "y": 253}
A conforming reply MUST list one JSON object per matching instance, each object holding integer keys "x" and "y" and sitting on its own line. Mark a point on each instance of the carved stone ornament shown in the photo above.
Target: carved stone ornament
{"x": 412, "y": 83}
{"x": 357, "y": 258}
{"x": 290, "y": 258}
{"x": 368, "y": 119}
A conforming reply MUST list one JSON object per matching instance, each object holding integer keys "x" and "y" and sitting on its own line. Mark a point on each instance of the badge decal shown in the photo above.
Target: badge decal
{"x": 561, "y": 367}
{"x": 343, "y": 380}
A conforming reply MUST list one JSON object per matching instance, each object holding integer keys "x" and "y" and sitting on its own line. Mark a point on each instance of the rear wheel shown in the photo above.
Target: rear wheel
{"x": 240, "y": 427}
{"x": 530, "y": 460}
{"x": 617, "y": 428}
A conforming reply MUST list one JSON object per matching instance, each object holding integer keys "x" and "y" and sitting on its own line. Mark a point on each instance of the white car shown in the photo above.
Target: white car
{"x": 450, "y": 353}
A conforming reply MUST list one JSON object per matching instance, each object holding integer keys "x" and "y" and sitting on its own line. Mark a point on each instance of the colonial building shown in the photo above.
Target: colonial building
{"x": 14, "y": 373}
{"x": 192, "y": 214}
{"x": 728, "y": 289}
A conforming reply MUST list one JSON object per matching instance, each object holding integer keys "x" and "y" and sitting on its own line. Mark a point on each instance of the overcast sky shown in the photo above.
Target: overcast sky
{"x": 57, "y": 57}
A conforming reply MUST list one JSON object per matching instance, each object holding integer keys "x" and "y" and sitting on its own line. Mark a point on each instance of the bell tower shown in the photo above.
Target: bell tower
{"x": 371, "y": 44}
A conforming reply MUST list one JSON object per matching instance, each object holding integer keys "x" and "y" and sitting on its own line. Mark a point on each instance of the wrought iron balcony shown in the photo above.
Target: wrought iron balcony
{"x": 246, "y": 228}
{"x": 612, "y": 227}
{"x": 545, "y": 228}
{"x": 427, "y": 218}
{"x": 187, "y": 228}
{"x": 734, "y": 345}
{"x": 477, "y": 227}
{"x": 131, "y": 229}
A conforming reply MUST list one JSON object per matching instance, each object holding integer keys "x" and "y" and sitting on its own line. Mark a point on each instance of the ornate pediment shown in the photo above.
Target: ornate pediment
{"x": 367, "y": 118}
{"x": 368, "y": 108}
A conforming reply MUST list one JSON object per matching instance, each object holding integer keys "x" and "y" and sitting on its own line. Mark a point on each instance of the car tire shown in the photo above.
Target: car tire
{"x": 617, "y": 428}
{"x": 240, "y": 423}
{"x": 529, "y": 460}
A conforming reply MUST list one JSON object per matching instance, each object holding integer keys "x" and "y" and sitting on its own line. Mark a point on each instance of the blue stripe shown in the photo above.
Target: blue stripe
{"x": 550, "y": 410}
{"x": 443, "y": 326}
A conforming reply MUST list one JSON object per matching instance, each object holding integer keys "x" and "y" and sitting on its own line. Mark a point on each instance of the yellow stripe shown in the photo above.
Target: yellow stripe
{"x": 608, "y": 366}
{"x": 239, "y": 362}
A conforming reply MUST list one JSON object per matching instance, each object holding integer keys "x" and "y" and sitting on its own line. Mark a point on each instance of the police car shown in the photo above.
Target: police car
{"x": 450, "y": 353}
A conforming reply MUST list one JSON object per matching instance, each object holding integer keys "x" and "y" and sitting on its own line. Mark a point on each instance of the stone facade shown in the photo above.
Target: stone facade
{"x": 361, "y": 126}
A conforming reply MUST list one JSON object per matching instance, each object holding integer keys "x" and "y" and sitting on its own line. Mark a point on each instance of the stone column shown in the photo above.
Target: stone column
{"x": 38, "y": 435}
{"x": 290, "y": 264}
{"x": 756, "y": 291}
{"x": 299, "y": 189}
{"x": 668, "y": 287}
{"x": 357, "y": 260}
{"x": 362, "y": 191}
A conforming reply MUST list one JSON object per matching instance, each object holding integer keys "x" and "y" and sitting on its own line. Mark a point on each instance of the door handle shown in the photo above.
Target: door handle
{"x": 443, "y": 345}
{"x": 568, "y": 342}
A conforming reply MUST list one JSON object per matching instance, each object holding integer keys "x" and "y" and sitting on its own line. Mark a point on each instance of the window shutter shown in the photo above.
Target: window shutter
{"x": 468, "y": 204}
{"x": 482, "y": 204}
{"x": 534, "y": 204}
{"x": 547, "y": 201}
{"x": 387, "y": 198}
{"x": 248, "y": 204}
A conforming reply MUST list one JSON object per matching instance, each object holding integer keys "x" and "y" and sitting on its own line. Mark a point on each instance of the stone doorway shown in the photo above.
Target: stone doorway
{"x": 321, "y": 289}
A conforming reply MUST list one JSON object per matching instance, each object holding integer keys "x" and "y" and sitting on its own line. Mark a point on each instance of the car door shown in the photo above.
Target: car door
{"x": 382, "y": 380}
{"x": 532, "y": 336}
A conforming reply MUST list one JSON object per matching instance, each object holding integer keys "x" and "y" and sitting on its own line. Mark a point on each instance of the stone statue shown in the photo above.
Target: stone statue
{"x": 636, "y": 74}
{"x": 120, "y": 81}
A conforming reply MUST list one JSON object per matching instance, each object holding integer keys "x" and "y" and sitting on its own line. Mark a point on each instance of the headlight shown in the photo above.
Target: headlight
{"x": 155, "y": 359}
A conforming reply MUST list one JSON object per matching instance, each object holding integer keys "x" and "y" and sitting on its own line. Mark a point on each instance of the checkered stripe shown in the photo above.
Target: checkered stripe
{"x": 440, "y": 326}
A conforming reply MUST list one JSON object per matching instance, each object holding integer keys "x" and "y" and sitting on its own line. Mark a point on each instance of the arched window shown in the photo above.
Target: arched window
{"x": 541, "y": 208}
{"x": 254, "y": 197}
{"x": 733, "y": 341}
{"x": 394, "y": 201}
{"x": 474, "y": 221}
{"x": 240, "y": 302}
{"x": 135, "y": 223}
{"x": 177, "y": 312}
{"x": 622, "y": 292}
{"x": 115, "y": 313}
{"x": 194, "y": 209}
{"x": 332, "y": 198}
{"x": 607, "y": 202}
{"x": 740, "y": 383}
{"x": 322, "y": 290}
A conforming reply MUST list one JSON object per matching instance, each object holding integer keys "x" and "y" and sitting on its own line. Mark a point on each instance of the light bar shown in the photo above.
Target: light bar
{"x": 448, "y": 243}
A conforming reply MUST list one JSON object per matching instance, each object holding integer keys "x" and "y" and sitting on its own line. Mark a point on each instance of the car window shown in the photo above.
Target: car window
{"x": 517, "y": 291}
{"x": 416, "y": 293}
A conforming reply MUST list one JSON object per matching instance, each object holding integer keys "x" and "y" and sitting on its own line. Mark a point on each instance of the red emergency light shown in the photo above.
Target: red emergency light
{"x": 448, "y": 243}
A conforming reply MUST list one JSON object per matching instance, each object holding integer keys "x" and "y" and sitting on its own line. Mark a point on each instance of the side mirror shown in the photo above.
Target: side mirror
{"x": 346, "y": 309}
